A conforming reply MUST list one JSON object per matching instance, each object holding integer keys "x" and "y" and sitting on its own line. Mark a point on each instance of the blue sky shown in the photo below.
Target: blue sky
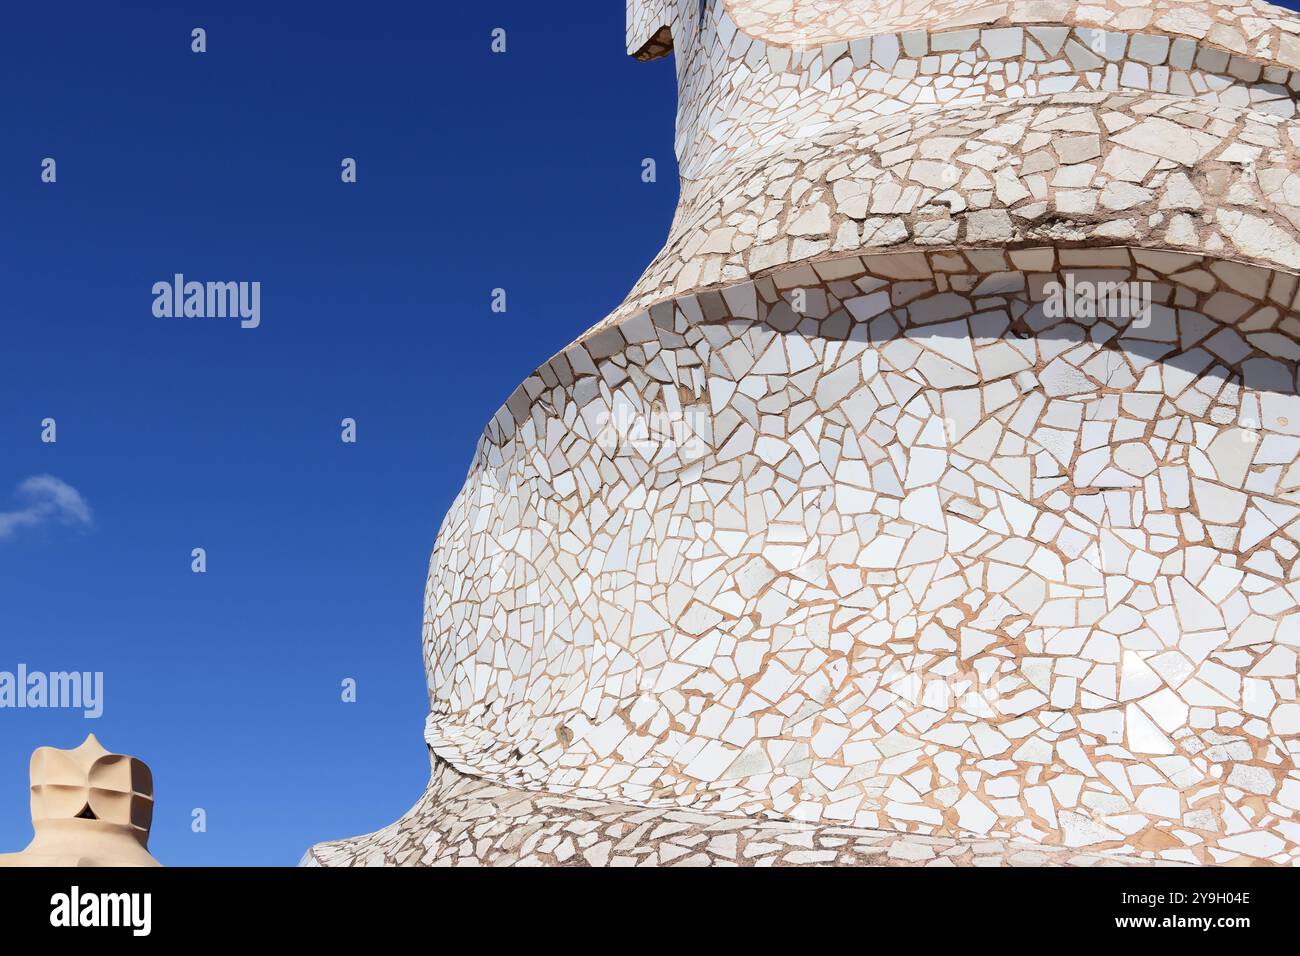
{"x": 475, "y": 171}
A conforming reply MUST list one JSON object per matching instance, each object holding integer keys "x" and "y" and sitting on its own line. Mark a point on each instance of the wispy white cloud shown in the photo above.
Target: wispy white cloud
{"x": 45, "y": 498}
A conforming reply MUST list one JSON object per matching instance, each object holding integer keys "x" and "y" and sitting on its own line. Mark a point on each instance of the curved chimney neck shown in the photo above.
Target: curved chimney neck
{"x": 656, "y": 28}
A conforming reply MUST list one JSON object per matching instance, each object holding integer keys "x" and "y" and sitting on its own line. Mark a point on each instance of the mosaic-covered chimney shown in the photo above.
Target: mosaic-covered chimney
{"x": 939, "y": 477}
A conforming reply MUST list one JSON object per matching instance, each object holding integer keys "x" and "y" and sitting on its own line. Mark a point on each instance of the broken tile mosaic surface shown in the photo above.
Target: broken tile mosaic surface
{"x": 839, "y": 541}
{"x": 462, "y": 821}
